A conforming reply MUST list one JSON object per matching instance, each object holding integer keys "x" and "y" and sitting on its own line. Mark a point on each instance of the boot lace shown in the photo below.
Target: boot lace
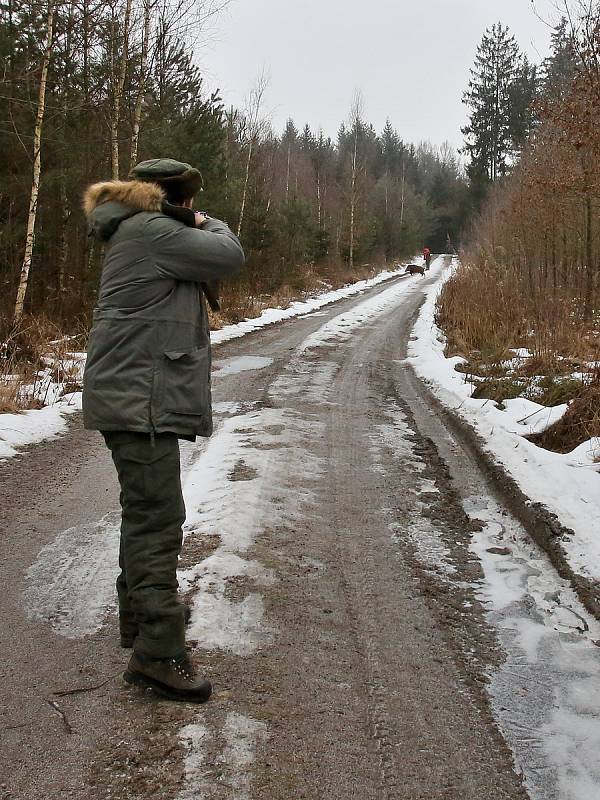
{"x": 183, "y": 667}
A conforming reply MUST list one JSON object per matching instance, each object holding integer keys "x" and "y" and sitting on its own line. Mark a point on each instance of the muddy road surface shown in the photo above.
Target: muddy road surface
{"x": 376, "y": 623}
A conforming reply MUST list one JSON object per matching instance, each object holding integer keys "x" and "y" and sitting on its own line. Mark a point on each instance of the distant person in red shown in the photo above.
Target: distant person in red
{"x": 427, "y": 257}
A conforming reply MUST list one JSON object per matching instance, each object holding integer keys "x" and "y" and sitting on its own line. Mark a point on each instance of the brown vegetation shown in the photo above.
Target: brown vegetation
{"x": 35, "y": 357}
{"x": 580, "y": 422}
{"x": 531, "y": 277}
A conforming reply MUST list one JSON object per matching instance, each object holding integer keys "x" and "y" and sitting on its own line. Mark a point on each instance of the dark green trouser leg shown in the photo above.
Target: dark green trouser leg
{"x": 152, "y": 515}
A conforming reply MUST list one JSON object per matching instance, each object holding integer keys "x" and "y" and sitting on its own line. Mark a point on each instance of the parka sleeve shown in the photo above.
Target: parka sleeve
{"x": 193, "y": 254}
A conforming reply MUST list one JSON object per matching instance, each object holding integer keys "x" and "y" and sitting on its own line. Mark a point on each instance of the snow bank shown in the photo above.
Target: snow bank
{"x": 567, "y": 485}
{"x": 30, "y": 427}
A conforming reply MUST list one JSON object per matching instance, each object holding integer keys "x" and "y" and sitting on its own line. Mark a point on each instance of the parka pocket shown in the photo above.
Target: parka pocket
{"x": 185, "y": 381}
{"x": 149, "y": 469}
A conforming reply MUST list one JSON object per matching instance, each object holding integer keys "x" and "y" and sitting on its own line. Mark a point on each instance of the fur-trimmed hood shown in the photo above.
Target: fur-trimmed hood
{"x": 107, "y": 204}
{"x": 135, "y": 194}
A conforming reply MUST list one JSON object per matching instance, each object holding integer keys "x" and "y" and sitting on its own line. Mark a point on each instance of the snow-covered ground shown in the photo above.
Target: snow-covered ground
{"x": 567, "y": 485}
{"x": 48, "y": 391}
{"x": 31, "y": 427}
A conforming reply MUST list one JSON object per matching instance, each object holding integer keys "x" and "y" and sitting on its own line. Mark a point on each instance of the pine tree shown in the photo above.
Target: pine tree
{"x": 491, "y": 99}
{"x": 559, "y": 68}
{"x": 523, "y": 92}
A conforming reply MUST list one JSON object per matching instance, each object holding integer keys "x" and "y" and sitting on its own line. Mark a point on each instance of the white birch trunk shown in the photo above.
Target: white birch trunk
{"x": 353, "y": 201}
{"x": 37, "y": 167}
{"x": 319, "y": 206}
{"x": 253, "y": 127}
{"x": 402, "y": 198}
{"x": 137, "y": 114}
{"x": 245, "y": 190}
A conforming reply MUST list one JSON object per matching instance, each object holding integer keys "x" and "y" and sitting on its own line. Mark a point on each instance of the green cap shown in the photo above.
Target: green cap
{"x": 165, "y": 171}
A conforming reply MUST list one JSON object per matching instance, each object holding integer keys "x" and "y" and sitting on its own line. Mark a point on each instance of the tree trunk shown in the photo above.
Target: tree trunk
{"x": 118, "y": 95}
{"x": 287, "y": 176}
{"x": 353, "y": 201}
{"x": 37, "y": 166}
{"x": 63, "y": 252}
{"x": 589, "y": 272}
{"x": 137, "y": 114}
{"x": 245, "y": 190}
{"x": 319, "y": 206}
{"x": 402, "y": 197}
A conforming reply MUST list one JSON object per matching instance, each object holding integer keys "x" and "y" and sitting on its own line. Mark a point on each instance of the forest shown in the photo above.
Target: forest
{"x": 90, "y": 88}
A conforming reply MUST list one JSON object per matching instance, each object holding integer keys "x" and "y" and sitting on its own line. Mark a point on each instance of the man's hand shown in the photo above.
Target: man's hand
{"x": 201, "y": 218}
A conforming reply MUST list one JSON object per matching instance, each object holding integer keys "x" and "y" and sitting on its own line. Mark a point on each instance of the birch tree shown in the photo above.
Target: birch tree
{"x": 356, "y": 129}
{"x": 37, "y": 163}
{"x": 148, "y": 6}
{"x": 254, "y": 124}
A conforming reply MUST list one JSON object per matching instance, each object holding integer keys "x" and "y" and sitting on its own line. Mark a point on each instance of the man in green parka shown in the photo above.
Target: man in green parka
{"x": 147, "y": 384}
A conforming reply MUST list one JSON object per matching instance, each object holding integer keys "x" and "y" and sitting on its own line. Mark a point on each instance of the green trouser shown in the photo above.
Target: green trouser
{"x": 153, "y": 512}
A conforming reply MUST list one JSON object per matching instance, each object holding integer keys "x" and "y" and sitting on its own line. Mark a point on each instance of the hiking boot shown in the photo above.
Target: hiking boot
{"x": 174, "y": 678}
{"x": 128, "y": 636}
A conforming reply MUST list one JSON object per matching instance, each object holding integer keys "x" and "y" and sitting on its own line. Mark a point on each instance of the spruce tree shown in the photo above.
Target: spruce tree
{"x": 523, "y": 92}
{"x": 559, "y": 68}
{"x": 490, "y": 98}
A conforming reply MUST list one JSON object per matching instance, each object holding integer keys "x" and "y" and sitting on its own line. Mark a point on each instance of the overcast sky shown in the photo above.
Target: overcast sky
{"x": 409, "y": 58}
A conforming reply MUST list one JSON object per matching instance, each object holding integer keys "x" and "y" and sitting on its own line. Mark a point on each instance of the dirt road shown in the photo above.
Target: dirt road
{"x": 368, "y": 609}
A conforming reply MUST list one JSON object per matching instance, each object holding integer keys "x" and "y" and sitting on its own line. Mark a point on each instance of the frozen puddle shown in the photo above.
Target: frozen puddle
{"x": 218, "y": 622}
{"x": 71, "y": 585}
{"x": 233, "y": 366}
{"x": 546, "y": 696}
{"x": 240, "y": 737}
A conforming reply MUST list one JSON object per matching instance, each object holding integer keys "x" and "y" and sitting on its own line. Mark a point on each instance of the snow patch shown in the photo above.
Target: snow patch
{"x": 233, "y": 366}
{"x": 546, "y": 696}
{"x": 71, "y": 585}
{"x": 305, "y": 379}
{"x": 31, "y": 427}
{"x": 236, "y": 511}
{"x": 427, "y": 540}
{"x": 340, "y": 328}
{"x": 220, "y": 623}
{"x": 242, "y": 737}
{"x": 194, "y": 739}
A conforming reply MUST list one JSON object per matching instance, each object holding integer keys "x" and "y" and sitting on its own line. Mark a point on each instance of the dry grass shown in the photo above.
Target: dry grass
{"x": 580, "y": 422}
{"x": 34, "y": 358}
{"x": 487, "y": 313}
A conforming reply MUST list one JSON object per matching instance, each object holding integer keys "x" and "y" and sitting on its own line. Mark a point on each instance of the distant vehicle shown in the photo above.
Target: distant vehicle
{"x": 414, "y": 268}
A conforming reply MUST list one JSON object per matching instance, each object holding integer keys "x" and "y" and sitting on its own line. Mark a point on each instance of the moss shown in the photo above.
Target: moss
{"x": 498, "y": 389}
{"x": 552, "y": 391}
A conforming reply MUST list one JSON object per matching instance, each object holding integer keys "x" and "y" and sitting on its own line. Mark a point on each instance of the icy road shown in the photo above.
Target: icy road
{"x": 376, "y": 622}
